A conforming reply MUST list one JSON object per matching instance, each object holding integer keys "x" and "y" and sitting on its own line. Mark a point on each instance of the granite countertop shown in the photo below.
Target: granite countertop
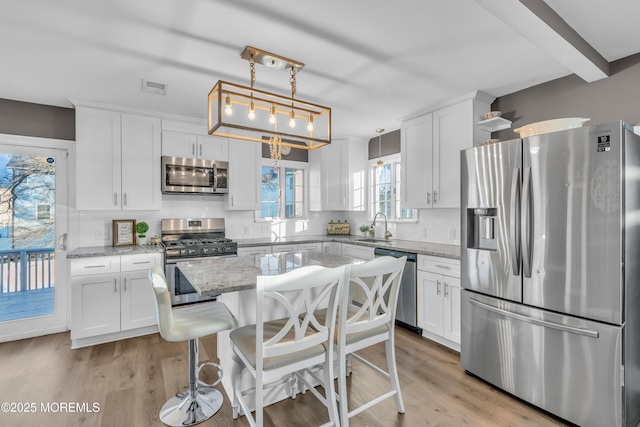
{"x": 217, "y": 276}
{"x": 423, "y": 248}
{"x": 95, "y": 251}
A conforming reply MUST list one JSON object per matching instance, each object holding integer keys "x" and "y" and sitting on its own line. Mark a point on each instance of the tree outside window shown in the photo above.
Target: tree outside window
{"x": 385, "y": 187}
{"x": 283, "y": 193}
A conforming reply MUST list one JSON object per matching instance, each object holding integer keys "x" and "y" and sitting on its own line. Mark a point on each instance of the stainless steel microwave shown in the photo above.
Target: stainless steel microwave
{"x": 194, "y": 176}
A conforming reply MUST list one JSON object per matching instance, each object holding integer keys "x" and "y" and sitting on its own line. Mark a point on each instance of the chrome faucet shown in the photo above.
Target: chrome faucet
{"x": 387, "y": 234}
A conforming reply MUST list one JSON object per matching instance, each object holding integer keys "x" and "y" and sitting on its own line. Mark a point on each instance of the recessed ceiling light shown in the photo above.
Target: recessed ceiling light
{"x": 153, "y": 87}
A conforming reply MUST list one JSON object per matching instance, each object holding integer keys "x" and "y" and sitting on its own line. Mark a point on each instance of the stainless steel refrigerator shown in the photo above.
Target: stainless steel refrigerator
{"x": 550, "y": 269}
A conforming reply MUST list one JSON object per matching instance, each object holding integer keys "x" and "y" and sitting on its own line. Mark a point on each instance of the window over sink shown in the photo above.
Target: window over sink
{"x": 384, "y": 190}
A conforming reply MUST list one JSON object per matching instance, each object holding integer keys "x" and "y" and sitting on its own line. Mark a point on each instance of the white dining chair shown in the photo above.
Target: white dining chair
{"x": 275, "y": 351}
{"x": 201, "y": 401}
{"x": 372, "y": 323}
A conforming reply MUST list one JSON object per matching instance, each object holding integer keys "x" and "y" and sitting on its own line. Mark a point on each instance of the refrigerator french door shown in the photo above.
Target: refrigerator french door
{"x": 549, "y": 306}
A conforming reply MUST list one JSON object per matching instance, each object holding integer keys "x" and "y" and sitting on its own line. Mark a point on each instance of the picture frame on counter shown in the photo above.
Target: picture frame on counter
{"x": 124, "y": 232}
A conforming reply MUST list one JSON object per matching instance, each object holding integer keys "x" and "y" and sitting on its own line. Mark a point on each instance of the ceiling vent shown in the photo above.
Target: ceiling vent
{"x": 153, "y": 87}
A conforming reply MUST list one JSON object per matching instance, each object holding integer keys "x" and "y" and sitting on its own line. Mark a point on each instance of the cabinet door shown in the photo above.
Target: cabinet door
{"x": 212, "y": 148}
{"x": 452, "y": 309}
{"x": 95, "y": 305}
{"x": 244, "y": 175}
{"x": 334, "y": 176}
{"x": 416, "y": 153}
{"x": 430, "y": 307}
{"x": 452, "y": 132}
{"x": 141, "y": 163}
{"x": 137, "y": 299}
{"x": 98, "y": 178}
{"x": 179, "y": 144}
{"x": 333, "y": 248}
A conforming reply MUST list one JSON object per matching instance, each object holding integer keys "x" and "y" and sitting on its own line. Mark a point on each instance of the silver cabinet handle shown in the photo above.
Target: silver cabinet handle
{"x": 141, "y": 262}
{"x": 563, "y": 328}
{"x": 200, "y": 150}
{"x": 115, "y": 286}
{"x": 435, "y": 196}
{"x": 95, "y": 266}
{"x": 446, "y": 289}
{"x": 125, "y": 284}
{"x": 193, "y": 149}
{"x": 115, "y": 199}
{"x": 124, "y": 195}
{"x": 437, "y": 287}
{"x": 443, "y": 266}
{"x": 428, "y": 197}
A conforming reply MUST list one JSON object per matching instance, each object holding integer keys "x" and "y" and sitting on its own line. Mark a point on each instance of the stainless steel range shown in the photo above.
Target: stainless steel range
{"x": 192, "y": 239}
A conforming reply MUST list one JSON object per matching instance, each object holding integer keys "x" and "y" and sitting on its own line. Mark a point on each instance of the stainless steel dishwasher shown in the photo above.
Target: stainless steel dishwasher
{"x": 406, "y": 312}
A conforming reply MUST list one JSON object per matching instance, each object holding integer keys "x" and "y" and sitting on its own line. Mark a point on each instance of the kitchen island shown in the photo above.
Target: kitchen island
{"x": 234, "y": 280}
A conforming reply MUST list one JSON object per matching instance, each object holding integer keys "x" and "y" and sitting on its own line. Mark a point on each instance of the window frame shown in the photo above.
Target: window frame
{"x": 48, "y": 218}
{"x": 283, "y": 165}
{"x": 393, "y": 160}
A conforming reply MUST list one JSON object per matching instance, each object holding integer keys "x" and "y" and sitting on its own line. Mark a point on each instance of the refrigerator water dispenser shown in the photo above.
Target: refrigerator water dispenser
{"x": 481, "y": 228}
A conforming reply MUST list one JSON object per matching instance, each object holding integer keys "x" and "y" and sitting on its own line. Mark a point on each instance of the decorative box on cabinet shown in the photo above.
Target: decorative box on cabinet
{"x": 430, "y": 151}
{"x": 439, "y": 300}
{"x": 117, "y": 160}
{"x": 111, "y": 298}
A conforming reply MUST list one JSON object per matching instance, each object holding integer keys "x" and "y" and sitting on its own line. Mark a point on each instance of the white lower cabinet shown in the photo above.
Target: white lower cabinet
{"x": 112, "y": 298}
{"x": 439, "y": 300}
{"x": 332, "y": 248}
{"x": 254, "y": 250}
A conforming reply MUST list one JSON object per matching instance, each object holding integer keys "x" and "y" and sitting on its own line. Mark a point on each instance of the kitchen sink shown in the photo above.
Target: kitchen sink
{"x": 372, "y": 240}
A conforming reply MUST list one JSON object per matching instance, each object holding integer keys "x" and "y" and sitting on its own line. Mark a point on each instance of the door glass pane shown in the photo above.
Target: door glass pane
{"x": 294, "y": 193}
{"x": 27, "y": 230}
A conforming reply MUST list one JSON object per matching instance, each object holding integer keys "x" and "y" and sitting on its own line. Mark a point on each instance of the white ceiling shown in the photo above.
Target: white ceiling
{"x": 372, "y": 61}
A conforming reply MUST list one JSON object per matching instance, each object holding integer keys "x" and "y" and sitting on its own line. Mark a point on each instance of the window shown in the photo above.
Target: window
{"x": 43, "y": 212}
{"x": 385, "y": 190}
{"x": 283, "y": 191}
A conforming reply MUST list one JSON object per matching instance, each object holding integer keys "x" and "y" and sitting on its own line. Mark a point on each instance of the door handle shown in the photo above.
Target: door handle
{"x": 544, "y": 323}
{"x": 435, "y": 197}
{"x": 514, "y": 222}
{"x": 125, "y": 284}
{"x": 446, "y": 289}
{"x": 115, "y": 199}
{"x": 124, "y": 195}
{"x": 428, "y": 197}
{"x": 115, "y": 286}
{"x": 193, "y": 149}
{"x": 437, "y": 287}
{"x": 62, "y": 242}
{"x": 527, "y": 224}
{"x": 200, "y": 146}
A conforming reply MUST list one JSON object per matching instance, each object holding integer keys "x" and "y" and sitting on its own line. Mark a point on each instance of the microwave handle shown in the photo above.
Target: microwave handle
{"x": 215, "y": 176}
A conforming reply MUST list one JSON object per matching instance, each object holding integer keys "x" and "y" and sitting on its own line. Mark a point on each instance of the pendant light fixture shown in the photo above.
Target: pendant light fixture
{"x": 380, "y": 163}
{"x": 247, "y": 113}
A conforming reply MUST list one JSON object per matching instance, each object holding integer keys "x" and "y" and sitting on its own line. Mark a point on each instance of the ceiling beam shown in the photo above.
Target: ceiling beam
{"x": 542, "y": 26}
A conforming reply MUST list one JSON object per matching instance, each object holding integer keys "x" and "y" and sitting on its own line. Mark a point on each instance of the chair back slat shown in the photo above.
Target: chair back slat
{"x": 297, "y": 295}
{"x": 380, "y": 281}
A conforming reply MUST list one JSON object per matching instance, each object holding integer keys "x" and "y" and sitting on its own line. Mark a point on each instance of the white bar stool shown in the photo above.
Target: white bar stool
{"x": 201, "y": 401}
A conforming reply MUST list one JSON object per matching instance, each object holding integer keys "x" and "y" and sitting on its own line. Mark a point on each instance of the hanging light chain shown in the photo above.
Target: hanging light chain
{"x": 252, "y": 70}
{"x": 292, "y": 80}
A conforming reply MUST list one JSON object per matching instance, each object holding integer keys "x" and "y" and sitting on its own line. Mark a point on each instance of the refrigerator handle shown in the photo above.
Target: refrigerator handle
{"x": 514, "y": 223}
{"x": 527, "y": 223}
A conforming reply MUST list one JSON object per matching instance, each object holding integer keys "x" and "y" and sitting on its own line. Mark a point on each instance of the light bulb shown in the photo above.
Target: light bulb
{"x": 252, "y": 112}
{"x": 272, "y": 116}
{"x": 292, "y": 119}
{"x": 228, "y": 110}
{"x": 310, "y": 123}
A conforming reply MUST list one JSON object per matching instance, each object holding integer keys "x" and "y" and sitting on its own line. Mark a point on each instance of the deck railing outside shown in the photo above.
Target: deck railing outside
{"x": 26, "y": 270}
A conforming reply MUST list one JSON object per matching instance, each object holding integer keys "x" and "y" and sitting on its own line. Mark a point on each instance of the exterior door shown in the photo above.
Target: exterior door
{"x": 573, "y": 219}
{"x": 33, "y": 226}
{"x": 490, "y": 256}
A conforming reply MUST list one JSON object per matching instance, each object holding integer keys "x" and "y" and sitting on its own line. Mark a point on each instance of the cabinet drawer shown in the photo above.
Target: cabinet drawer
{"x": 140, "y": 261}
{"x": 95, "y": 265}
{"x": 446, "y": 266}
{"x": 361, "y": 252}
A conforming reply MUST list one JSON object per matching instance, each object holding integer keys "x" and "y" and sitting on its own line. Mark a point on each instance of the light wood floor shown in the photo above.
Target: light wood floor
{"x": 131, "y": 379}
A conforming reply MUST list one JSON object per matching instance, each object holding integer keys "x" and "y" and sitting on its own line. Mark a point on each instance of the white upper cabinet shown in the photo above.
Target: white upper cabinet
{"x": 430, "y": 151}
{"x": 117, "y": 160}
{"x": 191, "y": 145}
{"x": 244, "y": 175}
{"x": 337, "y": 175}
